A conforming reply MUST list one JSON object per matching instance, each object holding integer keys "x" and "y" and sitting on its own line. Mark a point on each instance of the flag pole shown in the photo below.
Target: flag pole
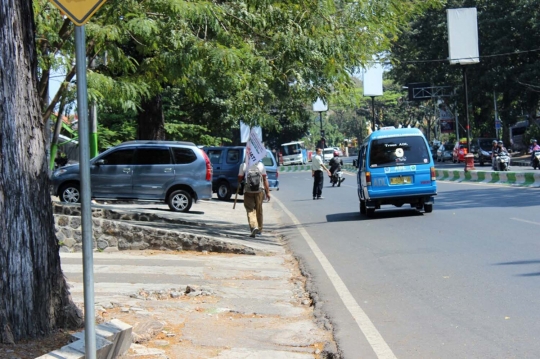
{"x": 246, "y": 162}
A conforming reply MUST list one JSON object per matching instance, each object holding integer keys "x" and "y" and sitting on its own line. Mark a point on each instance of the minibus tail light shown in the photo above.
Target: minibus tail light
{"x": 433, "y": 175}
{"x": 368, "y": 178}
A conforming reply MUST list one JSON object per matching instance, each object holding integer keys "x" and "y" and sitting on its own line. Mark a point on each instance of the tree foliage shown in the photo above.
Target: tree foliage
{"x": 258, "y": 61}
{"x": 508, "y": 33}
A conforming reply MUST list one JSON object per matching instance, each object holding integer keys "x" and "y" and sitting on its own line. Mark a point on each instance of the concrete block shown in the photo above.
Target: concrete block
{"x": 115, "y": 335}
{"x": 117, "y": 332}
{"x": 103, "y": 347}
{"x": 65, "y": 352}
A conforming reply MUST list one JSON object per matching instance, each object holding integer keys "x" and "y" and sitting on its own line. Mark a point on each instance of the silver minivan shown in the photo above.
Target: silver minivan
{"x": 178, "y": 173}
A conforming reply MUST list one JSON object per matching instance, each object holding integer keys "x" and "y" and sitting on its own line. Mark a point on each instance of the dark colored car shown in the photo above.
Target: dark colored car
{"x": 175, "y": 172}
{"x": 481, "y": 149}
{"x": 226, "y": 161}
{"x": 444, "y": 153}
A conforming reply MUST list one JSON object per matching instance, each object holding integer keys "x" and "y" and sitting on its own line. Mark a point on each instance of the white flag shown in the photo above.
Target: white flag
{"x": 255, "y": 150}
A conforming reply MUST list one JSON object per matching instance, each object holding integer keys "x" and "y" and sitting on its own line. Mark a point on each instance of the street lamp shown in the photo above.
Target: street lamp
{"x": 320, "y": 106}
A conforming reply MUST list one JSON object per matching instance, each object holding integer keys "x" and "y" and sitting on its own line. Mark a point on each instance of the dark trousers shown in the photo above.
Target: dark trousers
{"x": 318, "y": 181}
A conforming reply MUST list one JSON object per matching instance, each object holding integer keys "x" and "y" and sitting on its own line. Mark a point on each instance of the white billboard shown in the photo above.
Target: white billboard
{"x": 462, "y": 36}
{"x": 373, "y": 80}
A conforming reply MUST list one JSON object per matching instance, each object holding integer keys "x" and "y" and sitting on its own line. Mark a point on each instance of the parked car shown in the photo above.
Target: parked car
{"x": 226, "y": 161}
{"x": 339, "y": 151}
{"x": 433, "y": 149}
{"x": 174, "y": 172}
{"x": 444, "y": 153}
{"x": 328, "y": 154}
{"x": 481, "y": 149}
{"x": 459, "y": 152}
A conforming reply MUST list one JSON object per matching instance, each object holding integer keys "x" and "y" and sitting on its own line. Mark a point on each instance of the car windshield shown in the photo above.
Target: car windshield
{"x": 486, "y": 144}
{"x": 397, "y": 151}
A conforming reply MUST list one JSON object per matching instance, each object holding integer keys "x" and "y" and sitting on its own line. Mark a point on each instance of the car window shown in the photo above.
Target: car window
{"x": 268, "y": 161}
{"x": 183, "y": 155}
{"x": 119, "y": 157}
{"x": 448, "y": 147}
{"x": 396, "y": 151}
{"x": 233, "y": 156}
{"x": 153, "y": 156}
{"x": 214, "y": 156}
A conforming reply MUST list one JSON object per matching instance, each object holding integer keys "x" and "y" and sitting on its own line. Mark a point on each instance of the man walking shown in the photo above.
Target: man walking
{"x": 256, "y": 183}
{"x": 317, "y": 166}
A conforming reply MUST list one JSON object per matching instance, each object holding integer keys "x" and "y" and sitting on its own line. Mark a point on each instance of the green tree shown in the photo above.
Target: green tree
{"x": 247, "y": 59}
{"x": 508, "y": 60}
{"x": 34, "y": 296}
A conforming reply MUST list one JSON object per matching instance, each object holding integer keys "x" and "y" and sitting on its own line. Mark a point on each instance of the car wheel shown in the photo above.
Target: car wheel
{"x": 370, "y": 212}
{"x": 428, "y": 208}
{"x": 180, "y": 201}
{"x": 70, "y": 193}
{"x": 362, "y": 207}
{"x": 481, "y": 163}
{"x": 224, "y": 192}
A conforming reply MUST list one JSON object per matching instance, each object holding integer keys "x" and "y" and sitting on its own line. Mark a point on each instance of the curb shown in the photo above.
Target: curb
{"x": 518, "y": 179}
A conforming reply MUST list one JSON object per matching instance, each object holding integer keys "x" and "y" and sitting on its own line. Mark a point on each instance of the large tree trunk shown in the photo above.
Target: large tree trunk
{"x": 34, "y": 297}
{"x": 151, "y": 120}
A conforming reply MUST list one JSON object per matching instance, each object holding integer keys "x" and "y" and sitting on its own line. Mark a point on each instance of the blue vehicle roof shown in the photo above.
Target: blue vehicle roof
{"x": 395, "y": 133}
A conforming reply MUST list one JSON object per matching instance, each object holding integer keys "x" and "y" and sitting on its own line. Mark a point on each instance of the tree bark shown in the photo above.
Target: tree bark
{"x": 34, "y": 298}
{"x": 151, "y": 120}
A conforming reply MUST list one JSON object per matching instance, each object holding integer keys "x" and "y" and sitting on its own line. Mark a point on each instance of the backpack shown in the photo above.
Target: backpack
{"x": 253, "y": 179}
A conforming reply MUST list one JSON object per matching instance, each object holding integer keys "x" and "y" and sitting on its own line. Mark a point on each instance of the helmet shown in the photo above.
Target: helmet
{"x": 501, "y": 143}
{"x": 494, "y": 142}
{"x": 534, "y": 140}
{"x": 336, "y": 154}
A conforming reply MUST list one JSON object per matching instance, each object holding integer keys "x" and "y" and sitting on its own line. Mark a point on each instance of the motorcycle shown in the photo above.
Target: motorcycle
{"x": 536, "y": 160}
{"x": 337, "y": 178}
{"x": 502, "y": 162}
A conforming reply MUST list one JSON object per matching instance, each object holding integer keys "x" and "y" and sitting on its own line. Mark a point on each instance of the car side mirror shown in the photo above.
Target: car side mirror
{"x": 99, "y": 162}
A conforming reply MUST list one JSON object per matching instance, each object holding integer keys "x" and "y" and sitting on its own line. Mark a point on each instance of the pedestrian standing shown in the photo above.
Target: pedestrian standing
{"x": 256, "y": 186}
{"x": 317, "y": 167}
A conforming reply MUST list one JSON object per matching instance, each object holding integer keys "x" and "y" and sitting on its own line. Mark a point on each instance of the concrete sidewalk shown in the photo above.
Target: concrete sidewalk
{"x": 207, "y": 305}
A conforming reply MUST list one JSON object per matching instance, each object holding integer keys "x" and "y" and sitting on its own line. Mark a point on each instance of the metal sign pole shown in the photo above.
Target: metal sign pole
{"x": 86, "y": 210}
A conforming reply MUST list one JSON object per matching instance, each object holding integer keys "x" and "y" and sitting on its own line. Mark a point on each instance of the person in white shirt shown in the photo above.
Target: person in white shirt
{"x": 317, "y": 167}
{"x": 254, "y": 192}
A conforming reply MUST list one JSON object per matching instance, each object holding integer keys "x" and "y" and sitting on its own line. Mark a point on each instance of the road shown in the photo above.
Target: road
{"x": 461, "y": 282}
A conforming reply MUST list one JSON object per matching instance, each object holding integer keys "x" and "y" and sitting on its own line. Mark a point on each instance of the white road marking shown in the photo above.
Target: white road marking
{"x": 524, "y": 220}
{"x": 378, "y": 344}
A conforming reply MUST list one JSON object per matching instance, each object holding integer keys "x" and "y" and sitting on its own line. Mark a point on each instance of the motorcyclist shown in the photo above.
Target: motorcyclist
{"x": 494, "y": 148}
{"x": 532, "y": 148}
{"x": 335, "y": 165}
{"x": 500, "y": 149}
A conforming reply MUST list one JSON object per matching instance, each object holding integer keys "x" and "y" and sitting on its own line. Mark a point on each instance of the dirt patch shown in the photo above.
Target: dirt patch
{"x": 33, "y": 348}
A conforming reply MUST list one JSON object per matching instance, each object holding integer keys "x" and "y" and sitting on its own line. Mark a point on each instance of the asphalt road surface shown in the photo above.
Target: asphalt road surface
{"x": 461, "y": 282}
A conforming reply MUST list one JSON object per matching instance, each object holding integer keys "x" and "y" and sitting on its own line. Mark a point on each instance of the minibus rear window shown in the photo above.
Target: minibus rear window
{"x": 398, "y": 151}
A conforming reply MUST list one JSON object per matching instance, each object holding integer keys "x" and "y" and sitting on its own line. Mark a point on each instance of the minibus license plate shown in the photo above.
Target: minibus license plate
{"x": 401, "y": 180}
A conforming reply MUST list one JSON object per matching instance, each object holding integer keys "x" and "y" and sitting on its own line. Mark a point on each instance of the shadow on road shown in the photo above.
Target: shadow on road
{"x": 534, "y": 274}
{"x": 486, "y": 197}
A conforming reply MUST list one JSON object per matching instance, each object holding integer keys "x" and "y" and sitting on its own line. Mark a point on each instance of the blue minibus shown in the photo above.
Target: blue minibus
{"x": 395, "y": 167}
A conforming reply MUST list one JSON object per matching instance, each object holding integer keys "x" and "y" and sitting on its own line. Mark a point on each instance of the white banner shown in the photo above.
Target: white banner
{"x": 255, "y": 150}
{"x": 245, "y": 131}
